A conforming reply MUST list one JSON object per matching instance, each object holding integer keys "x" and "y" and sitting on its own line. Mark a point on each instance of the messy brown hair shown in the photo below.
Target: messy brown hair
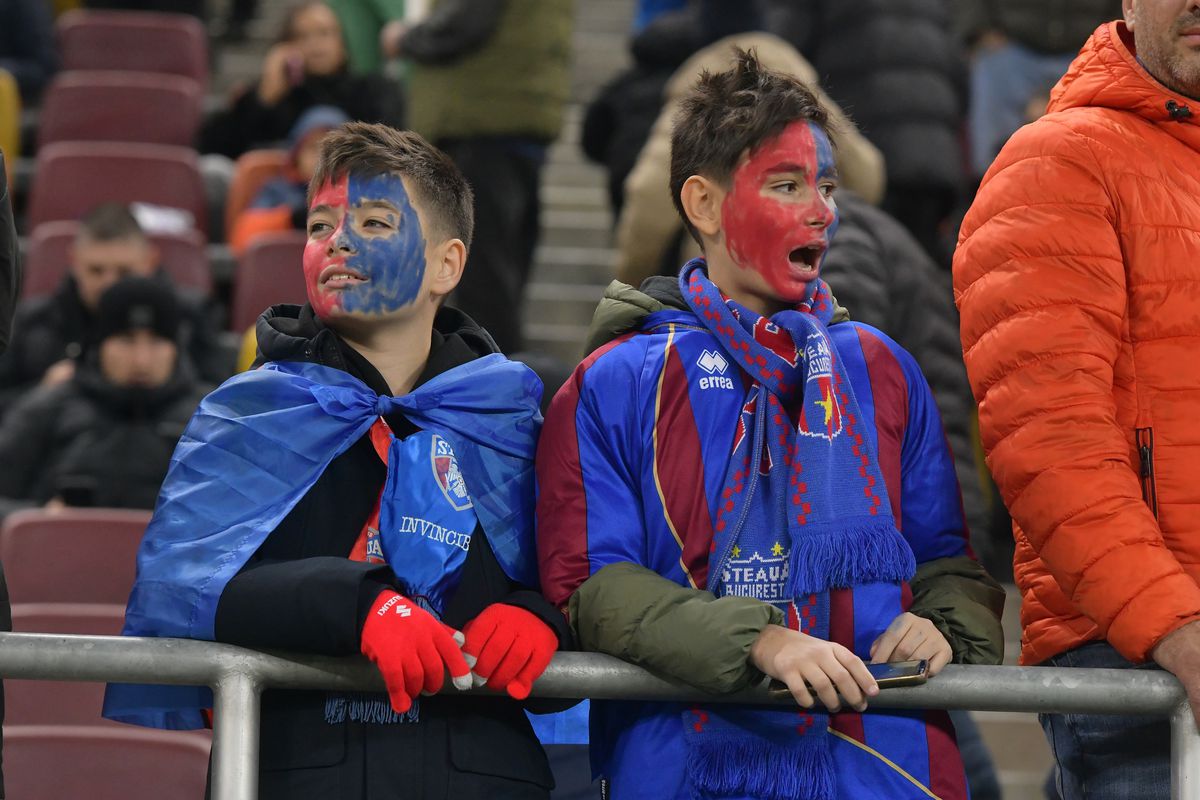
{"x": 365, "y": 149}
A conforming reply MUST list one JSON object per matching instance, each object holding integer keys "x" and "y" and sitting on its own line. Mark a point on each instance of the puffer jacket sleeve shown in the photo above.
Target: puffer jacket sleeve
{"x": 1040, "y": 283}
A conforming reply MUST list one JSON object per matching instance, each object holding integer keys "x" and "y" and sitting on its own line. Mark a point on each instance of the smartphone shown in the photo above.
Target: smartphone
{"x": 888, "y": 676}
{"x": 899, "y": 673}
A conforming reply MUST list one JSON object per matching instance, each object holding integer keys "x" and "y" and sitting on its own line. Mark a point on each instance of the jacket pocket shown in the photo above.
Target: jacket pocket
{"x": 1145, "y": 447}
{"x": 498, "y": 744}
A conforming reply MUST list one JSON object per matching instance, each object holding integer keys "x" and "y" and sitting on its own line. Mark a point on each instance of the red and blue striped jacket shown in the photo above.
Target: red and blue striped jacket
{"x": 630, "y": 466}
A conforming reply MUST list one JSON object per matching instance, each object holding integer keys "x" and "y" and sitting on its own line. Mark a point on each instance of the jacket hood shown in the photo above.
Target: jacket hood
{"x": 623, "y": 308}
{"x": 293, "y": 333}
{"x": 1107, "y": 74}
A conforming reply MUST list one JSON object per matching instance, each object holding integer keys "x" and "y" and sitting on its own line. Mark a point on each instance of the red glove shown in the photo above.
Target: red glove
{"x": 509, "y": 648}
{"x": 412, "y": 649}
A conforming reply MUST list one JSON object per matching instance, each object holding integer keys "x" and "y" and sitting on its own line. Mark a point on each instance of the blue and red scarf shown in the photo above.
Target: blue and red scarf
{"x": 803, "y": 510}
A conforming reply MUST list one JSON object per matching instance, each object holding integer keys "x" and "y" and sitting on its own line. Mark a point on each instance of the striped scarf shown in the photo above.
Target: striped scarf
{"x": 803, "y": 509}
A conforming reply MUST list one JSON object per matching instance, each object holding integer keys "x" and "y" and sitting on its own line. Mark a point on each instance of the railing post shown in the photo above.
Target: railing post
{"x": 237, "y": 707}
{"x": 1185, "y": 754}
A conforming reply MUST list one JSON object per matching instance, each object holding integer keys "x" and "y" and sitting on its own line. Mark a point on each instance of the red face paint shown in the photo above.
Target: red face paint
{"x": 779, "y": 216}
{"x": 320, "y": 253}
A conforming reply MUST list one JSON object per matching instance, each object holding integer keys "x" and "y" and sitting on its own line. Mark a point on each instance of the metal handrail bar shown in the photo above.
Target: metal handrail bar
{"x": 238, "y": 677}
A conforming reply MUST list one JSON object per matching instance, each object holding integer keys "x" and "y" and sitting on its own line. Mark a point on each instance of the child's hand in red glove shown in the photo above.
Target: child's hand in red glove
{"x": 412, "y": 650}
{"x": 509, "y": 648}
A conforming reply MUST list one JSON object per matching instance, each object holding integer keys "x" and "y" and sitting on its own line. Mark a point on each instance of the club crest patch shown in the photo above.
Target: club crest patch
{"x": 448, "y": 476}
{"x": 822, "y": 414}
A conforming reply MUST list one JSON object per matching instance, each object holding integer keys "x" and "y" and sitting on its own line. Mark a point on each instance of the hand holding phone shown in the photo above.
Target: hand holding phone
{"x": 887, "y": 676}
{"x": 910, "y": 638}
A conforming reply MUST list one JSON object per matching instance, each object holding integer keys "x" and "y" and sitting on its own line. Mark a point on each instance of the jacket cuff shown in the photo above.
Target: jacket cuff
{"x": 1161, "y": 608}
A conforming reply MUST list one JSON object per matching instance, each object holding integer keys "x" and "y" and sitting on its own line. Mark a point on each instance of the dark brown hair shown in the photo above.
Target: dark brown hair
{"x": 732, "y": 112}
{"x": 365, "y": 149}
{"x": 110, "y": 222}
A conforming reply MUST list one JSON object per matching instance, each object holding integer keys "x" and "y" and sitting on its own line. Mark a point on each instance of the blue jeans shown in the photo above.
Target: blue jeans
{"x": 1101, "y": 757}
{"x": 1003, "y": 81}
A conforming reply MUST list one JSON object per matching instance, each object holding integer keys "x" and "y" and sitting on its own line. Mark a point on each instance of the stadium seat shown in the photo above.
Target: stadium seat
{"x": 77, "y": 555}
{"x": 66, "y": 762}
{"x": 60, "y": 702}
{"x": 270, "y": 272}
{"x": 137, "y": 41}
{"x": 46, "y": 260}
{"x": 109, "y": 106}
{"x": 10, "y": 120}
{"x": 72, "y": 178}
{"x": 253, "y": 169}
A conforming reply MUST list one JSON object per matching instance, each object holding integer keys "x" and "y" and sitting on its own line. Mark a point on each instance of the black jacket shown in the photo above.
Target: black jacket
{"x": 249, "y": 123}
{"x": 896, "y": 67}
{"x": 27, "y": 48}
{"x": 93, "y": 443}
{"x": 49, "y": 329}
{"x": 10, "y": 261}
{"x": 618, "y": 121}
{"x": 300, "y": 592}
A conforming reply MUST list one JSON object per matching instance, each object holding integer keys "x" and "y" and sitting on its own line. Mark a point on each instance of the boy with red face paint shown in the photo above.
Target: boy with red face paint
{"x": 747, "y": 484}
{"x": 348, "y": 496}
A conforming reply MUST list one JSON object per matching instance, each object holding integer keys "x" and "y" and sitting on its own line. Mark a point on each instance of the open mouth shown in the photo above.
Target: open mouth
{"x": 335, "y": 277}
{"x": 808, "y": 257}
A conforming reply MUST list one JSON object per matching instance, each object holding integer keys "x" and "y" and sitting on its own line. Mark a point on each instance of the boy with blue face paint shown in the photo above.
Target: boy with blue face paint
{"x": 743, "y": 483}
{"x": 348, "y": 496}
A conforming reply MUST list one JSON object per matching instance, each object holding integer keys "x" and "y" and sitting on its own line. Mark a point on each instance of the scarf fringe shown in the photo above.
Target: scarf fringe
{"x": 750, "y": 765}
{"x": 849, "y": 553}
{"x": 370, "y": 708}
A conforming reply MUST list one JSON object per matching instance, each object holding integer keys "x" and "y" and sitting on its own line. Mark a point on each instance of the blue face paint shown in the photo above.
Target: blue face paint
{"x": 373, "y": 261}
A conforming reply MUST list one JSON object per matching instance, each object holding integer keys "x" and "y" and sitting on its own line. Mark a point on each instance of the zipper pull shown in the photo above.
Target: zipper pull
{"x": 1144, "y": 457}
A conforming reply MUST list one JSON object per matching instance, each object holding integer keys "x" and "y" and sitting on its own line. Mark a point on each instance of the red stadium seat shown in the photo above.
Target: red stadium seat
{"x": 270, "y": 272}
{"x": 252, "y": 171}
{"x": 78, "y": 555}
{"x": 137, "y": 41}
{"x": 72, "y": 178}
{"x": 120, "y": 107}
{"x": 61, "y": 762}
{"x": 47, "y": 259}
{"x": 60, "y": 702}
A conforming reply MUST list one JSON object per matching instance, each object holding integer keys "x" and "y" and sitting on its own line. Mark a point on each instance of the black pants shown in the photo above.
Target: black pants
{"x": 505, "y": 174}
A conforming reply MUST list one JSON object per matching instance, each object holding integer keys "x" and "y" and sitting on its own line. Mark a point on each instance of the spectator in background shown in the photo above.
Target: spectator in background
{"x": 362, "y": 20}
{"x": 307, "y": 67}
{"x": 618, "y": 120}
{"x": 1021, "y": 49}
{"x": 27, "y": 48}
{"x": 104, "y": 437}
{"x": 1076, "y": 276}
{"x": 282, "y": 203}
{"x": 898, "y": 70}
{"x": 52, "y": 334}
{"x": 488, "y": 86}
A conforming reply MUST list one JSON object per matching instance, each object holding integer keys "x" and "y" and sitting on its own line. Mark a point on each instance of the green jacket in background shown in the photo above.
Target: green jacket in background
{"x": 362, "y": 20}
{"x": 630, "y": 612}
{"x": 515, "y": 84}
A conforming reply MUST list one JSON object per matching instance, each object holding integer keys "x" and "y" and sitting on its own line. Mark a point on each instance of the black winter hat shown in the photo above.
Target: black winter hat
{"x": 138, "y": 304}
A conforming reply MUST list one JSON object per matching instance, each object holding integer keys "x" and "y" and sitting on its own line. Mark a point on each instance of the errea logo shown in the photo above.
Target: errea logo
{"x": 715, "y": 365}
{"x": 711, "y": 361}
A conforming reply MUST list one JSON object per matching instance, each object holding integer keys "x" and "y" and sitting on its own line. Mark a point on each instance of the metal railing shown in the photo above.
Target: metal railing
{"x": 238, "y": 676}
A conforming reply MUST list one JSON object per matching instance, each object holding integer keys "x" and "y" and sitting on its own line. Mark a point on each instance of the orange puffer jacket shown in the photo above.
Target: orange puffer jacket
{"x": 1077, "y": 276}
